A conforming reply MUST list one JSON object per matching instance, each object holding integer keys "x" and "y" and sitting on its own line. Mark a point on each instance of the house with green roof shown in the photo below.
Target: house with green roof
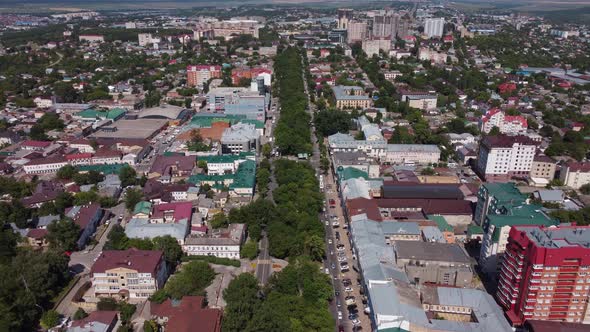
{"x": 105, "y": 169}
{"x": 227, "y": 163}
{"x": 239, "y": 183}
{"x": 142, "y": 209}
{"x": 347, "y": 173}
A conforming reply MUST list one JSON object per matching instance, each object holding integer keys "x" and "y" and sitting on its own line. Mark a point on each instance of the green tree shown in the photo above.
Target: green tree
{"x": 80, "y": 314}
{"x": 150, "y": 326}
{"x": 242, "y": 300}
{"x": 49, "y": 319}
{"x": 219, "y": 220}
{"x": 170, "y": 247}
{"x": 66, "y": 172}
{"x": 63, "y": 234}
{"x": 585, "y": 189}
{"x": 495, "y": 131}
{"x": 427, "y": 171}
{"x": 315, "y": 248}
{"x": 117, "y": 240}
{"x": 128, "y": 176}
{"x": 132, "y": 197}
{"x": 266, "y": 150}
{"x": 249, "y": 250}
{"x": 192, "y": 279}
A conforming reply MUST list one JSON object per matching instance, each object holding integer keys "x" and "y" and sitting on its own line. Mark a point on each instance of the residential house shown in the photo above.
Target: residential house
{"x": 128, "y": 274}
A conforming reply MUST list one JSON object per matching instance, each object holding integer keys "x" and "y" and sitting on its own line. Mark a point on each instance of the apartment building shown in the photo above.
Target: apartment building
{"x": 350, "y": 97}
{"x": 420, "y": 100}
{"x": 543, "y": 167}
{"x": 356, "y": 32}
{"x": 128, "y": 274}
{"x": 503, "y": 157}
{"x": 200, "y": 74}
{"x": 374, "y": 46}
{"x": 545, "y": 274}
{"x": 501, "y": 206}
{"x": 575, "y": 174}
{"x": 508, "y": 124}
{"x": 434, "y": 27}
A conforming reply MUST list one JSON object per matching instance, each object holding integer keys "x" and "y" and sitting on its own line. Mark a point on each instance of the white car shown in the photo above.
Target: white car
{"x": 329, "y": 241}
{"x": 356, "y": 321}
{"x": 339, "y": 315}
{"x": 327, "y": 223}
{"x": 348, "y": 289}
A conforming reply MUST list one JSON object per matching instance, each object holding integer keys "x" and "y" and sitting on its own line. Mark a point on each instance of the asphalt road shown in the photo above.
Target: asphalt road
{"x": 263, "y": 263}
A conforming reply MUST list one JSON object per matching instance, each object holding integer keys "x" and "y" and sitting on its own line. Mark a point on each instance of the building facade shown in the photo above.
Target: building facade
{"x": 434, "y": 27}
{"x": 503, "y": 157}
{"x": 575, "y": 174}
{"x": 128, "y": 274}
{"x": 508, "y": 124}
{"x": 545, "y": 274}
{"x": 200, "y": 74}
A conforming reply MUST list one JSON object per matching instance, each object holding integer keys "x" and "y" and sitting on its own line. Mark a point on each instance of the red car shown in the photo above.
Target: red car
{"x": 332, "y": 202}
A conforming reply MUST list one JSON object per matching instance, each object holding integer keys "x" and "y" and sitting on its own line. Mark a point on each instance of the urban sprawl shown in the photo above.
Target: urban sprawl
{"x": 415, "y": 167}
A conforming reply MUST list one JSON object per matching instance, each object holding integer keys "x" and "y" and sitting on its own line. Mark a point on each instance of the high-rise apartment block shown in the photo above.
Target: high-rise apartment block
{"x": 198, "y": 75}
{"x": 434, "y": 27}
{"x": 344, "y": 17}
{"x": 503, "y": 157}
{"x": 356, "y": 31}
{"x": 545, "y": 274}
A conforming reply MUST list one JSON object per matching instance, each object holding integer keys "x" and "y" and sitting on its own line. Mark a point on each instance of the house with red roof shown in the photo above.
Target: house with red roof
{"x": 507, "y": 88}
{"x": 37, "y": 238}
{"x": 508, "y": 124}
{"x": 128, "y": 274}
{"x": 189, "y": 314}
{"x": 35, "y": 145}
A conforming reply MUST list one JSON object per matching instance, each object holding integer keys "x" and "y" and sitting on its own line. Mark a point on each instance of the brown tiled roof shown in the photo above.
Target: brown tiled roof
{"x": 143, "y": 261}
{"x": 544, "y": 159}
{"x": 363, "y": 206}
{"x": 85, "y": 214}
{"x": 37, "y": 233}
{"x": 188, "y": 315}
{"x": 504, "y": 141}
{"x": 578, "y": 166}
{"x": 162, "y": 163}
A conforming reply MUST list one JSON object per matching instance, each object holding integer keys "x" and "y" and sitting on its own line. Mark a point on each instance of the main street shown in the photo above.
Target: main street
{"x": 338, "y": 307}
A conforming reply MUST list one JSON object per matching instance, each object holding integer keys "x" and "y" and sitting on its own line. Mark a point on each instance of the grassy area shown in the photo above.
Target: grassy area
{"x": 212, "y": 260}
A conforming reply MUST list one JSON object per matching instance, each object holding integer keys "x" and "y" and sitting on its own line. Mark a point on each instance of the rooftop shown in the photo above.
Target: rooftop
{"x": 143, "y": 261}
{"x": 431, "y": 251}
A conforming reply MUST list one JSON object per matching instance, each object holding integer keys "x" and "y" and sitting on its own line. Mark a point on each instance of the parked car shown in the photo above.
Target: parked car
{"x": 348, "y": 289}
{"x": 332, "y": 201}
{"x": 339, "y": 315}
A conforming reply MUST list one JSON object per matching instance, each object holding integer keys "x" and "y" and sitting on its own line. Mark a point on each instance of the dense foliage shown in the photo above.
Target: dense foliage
{"x": 292, "y": 133}
{"x": 295, "y": 300}
{"x": 192, "y": 279}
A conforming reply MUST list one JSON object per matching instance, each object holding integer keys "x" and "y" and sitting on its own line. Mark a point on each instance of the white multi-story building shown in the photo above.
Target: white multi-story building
{"x": 128, "y": 274}
{"x": 508, "y": 124}
{"x": 92, "y": 38}
{"x": 225, "y": 245}
{"x": 503, "y": 157}
{"x": 144, "y": 38}
{"x": 575, "y": 174}
{"x": 412, "y": 154}
{"x": 45, "y": 165}
{"x": 434, "y": 27}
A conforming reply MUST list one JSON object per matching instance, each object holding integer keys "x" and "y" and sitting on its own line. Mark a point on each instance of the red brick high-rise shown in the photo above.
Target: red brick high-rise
{"x": 545, "y": 274}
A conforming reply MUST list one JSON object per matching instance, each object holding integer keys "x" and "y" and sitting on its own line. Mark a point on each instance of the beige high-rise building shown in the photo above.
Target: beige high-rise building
{"x": 357, "y": 31}
{"x": 344, "y": 17}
